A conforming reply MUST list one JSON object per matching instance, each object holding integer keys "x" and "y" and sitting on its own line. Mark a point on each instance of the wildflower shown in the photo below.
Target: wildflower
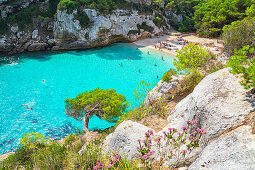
{"x": 151, "y": 152}
{"x": 184, "y": 128}
{"x": 139, "y": 140}
{"x": 151, "y": 132}
{"x": 145, "y": 157}
{"x": 189, "y": 122}
{"x": 195, "y": 122}
{"x": 109, "y": 166}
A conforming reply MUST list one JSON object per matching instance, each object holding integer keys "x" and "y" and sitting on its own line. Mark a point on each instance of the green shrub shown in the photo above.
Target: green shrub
{"x": 134, "y": 32}
{"x": 243, "y": 63}
{"x": 158, "y": 21}
{"x": 191, "y": 57}
{"x": 83, "y": 18}
{"x": 50, "y": 157}
{"x": 239, "y": 34}
{"x": 3, "y": 26}
{"x": 168, "y": 75}
{"x": 212, "y": 15}
{"x": 190, "y": 81}
{"x": 145, "y": 27}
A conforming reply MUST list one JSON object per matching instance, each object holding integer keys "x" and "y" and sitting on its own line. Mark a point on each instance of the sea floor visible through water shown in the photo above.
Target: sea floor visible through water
{"x": 42, "y": 81}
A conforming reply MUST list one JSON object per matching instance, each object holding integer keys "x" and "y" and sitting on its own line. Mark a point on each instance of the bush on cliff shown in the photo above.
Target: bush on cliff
{"x": 168, "y": 75}
{"x": 239, "y": 34}
{"x": 243, "y": 63}
{"x": 106, "y": 104}
{"x": 191, "y": 59}
{"x": 212, "y": 15}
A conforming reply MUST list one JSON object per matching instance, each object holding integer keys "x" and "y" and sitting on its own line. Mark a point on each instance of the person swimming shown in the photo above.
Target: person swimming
{"x": 162, "y": 58}
{"x": 155, "y": 65}
{"x": 43, "y": 80}
{"x": 157, "y": 76}
{"x": 30, "y": 108}
{"x": 139, "y": 71}
{"x": 148, "y": 52}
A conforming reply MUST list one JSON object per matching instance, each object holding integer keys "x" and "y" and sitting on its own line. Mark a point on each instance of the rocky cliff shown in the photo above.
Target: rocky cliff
{"x": 223, "y": 108}
{"x": 66, "y": 29}
{"x": 121, "y": 25}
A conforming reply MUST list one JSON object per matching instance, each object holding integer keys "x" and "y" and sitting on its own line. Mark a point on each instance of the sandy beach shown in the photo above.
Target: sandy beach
{"x": 210, "y": 44}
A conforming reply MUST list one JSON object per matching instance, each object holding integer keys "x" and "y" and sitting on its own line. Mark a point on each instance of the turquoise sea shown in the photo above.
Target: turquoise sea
{"x": 66, "y": 75}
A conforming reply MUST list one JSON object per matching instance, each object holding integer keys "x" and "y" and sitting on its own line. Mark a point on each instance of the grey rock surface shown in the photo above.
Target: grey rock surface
{"x": 231, "y": 151}
{"x": 124, "y": 139}
{"x": 218, "y": 102}
{"x": 164, "y": 89}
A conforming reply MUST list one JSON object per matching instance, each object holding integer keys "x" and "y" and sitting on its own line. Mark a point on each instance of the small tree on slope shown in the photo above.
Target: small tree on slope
{"x": 105, "y": 104}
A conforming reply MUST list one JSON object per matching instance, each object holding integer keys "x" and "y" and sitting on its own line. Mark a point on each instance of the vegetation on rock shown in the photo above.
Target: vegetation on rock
{"x": 168, "y": 75}
{"x": 243, "y": 63}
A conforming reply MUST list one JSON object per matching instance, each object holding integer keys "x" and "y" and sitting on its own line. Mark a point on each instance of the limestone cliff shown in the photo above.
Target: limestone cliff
{"x": 121, "y": 25}
{"x": 65, "y": 30}
{"x": 223, "y": 108}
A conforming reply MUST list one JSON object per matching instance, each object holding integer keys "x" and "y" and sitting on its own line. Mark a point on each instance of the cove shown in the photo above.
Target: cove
{"x": 66, "y": 75}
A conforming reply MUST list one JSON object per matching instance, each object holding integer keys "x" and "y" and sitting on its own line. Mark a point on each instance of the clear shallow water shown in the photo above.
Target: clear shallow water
{"x": 67, "y": 75}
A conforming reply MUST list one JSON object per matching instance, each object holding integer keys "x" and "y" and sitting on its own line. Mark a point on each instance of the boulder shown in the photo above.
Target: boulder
{"x": 5, "y": 47}
{"x": 234, "y": 150}
{"x": 37, "y": 47}
{"x": 218, "y": 103}
{"x": 124, "y": 139}
{"x": 164, "y": 89}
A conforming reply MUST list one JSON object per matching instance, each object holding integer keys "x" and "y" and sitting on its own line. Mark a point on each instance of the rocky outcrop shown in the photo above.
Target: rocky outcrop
{"x": 37, "y": 47}
{"x": 166, "y": 89}
{"x": 124, "y": 139}
{"x": 121, "y": 25}
{"x": 234, "y": 150}
{"x": 218, "y": 102}
{"x": 225, "y": 110}
{"x": 141, "y": 2}
{"x": 8, "y": 7}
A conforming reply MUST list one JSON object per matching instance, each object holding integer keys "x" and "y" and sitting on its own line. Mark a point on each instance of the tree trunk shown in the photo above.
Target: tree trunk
{"x": 85, "y": 124}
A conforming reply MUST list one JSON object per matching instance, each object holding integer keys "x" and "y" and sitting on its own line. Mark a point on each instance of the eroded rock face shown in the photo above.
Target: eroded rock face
{"x": 7, "y": 7}
{"x": 37, "y": 47}
{"x": 234, "y": 150}
{"x": 166, "y": 89}
{"x": 218, "y": 102}
{"x": 223, "y": 108}
{"x": 104, "y": 29}
{"x": 124, "y": 139}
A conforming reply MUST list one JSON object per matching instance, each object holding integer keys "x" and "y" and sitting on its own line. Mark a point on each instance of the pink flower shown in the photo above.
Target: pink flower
{"x": 151, "y": 152}
{"x": 151, "y": 132}
{"x": 195, "y": 122}
{"x": 189, "y": 122}
{"x": 139, "y": 140}
{"x": 108, "y": 166}
{"x": 184, "y": 128}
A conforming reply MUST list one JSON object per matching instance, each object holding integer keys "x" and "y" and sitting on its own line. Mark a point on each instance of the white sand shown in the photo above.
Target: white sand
{"x": 151, "y": 42}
